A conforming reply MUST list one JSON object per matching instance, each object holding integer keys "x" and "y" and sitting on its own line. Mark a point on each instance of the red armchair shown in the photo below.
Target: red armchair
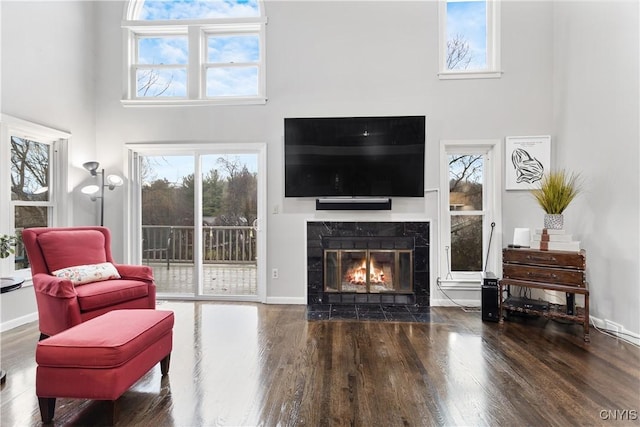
{"x": 63, "y": 304}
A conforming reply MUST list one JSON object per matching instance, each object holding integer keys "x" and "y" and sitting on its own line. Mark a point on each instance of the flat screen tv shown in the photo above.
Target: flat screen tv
{"x": 354, "y": 156}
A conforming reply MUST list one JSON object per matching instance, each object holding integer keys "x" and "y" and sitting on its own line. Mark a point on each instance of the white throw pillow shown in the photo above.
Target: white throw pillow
{"x": 81, "y": 274}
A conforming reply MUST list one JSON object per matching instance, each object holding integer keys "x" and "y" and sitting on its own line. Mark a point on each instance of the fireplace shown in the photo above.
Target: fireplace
{"x": 368, "y": 263}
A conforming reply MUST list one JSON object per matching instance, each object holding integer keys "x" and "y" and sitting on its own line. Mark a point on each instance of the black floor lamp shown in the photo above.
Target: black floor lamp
{"x": 111, "y": 182}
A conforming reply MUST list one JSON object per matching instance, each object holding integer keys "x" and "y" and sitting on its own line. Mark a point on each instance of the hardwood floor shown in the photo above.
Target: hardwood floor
{"x": 252, "y": 364}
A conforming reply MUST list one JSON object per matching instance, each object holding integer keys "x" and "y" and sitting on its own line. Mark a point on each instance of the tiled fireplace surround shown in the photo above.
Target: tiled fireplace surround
{"x": 321, "y": 305}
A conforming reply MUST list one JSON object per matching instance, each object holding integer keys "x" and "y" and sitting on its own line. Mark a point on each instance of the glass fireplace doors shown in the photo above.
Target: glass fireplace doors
{"x": 368, "y": 270}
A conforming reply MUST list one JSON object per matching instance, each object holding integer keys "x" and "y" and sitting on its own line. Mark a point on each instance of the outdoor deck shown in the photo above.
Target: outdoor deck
{"x": 219, "y": 279}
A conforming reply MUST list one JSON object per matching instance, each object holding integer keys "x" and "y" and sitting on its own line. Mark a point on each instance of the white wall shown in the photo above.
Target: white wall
{"x": 330, "y": 58}
{"x": 342, "y": 58}
{"x": 47, "y": 78}
{"x": 596, "y": 117}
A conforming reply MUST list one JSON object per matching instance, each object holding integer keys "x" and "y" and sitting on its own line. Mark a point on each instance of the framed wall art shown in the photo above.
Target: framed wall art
{"x": 527, "y": 159}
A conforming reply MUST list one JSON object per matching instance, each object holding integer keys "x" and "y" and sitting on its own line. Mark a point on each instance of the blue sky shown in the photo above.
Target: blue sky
{"x": 468, "y": 19}
{"x": 198, "y": 9}
{"x": 174, "y": 168}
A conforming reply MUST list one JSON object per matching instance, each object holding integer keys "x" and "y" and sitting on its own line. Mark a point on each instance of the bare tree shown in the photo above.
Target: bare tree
{"x": 240, "y": 205}
{"x": 464, "y": 168}
{"x": 459, "y": 54}
{"x": 29, "y": 168}
{"x": 150, "y": 80}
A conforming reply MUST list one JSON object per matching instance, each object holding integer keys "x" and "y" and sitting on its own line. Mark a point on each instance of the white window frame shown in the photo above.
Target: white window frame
{"x": 58, "y": 199}
{"x": 491, "y": 149}
{"x": 197, "y": 31}
{"x": 493, "y": 69}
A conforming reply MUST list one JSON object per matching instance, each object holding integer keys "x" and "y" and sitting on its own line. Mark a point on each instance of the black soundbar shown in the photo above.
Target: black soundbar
{"x": 355, "y": 203}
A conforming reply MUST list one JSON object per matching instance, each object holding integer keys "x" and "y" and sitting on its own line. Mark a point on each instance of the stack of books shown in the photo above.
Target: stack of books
{"x": 547, "y": 239}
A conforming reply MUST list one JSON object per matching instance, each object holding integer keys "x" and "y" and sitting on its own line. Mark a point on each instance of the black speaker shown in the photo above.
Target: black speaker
{"x": 490, "y": 298}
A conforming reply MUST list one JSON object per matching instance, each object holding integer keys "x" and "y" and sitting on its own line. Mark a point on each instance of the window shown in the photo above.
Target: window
{"x": 31, "y": 184}
{"x": 195, "y": 52}
{"x": 470, "y": 204}
{"x": 469, "y": 39}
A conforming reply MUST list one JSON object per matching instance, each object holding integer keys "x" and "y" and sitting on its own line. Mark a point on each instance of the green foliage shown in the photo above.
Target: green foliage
{"x": 229, "y": 198}
{"x": 557, "y": 190}
{"x": 7, "y": 244}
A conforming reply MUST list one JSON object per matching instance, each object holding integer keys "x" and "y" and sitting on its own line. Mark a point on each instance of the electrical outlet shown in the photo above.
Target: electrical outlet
{"x": 274, "y": 273}
{"x": 612, "y": 326}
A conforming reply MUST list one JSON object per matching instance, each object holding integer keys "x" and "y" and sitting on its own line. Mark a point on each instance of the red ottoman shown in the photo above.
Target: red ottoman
{"x": 102, "y": 357}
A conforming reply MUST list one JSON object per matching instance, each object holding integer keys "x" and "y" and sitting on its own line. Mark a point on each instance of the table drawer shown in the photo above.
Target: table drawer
{"x": 576, "y": 260}
{"x": 545, "y": 274}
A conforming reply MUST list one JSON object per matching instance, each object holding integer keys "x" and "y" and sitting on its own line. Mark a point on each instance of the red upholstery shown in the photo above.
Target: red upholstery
{"x": 100, "y": 359}
{"x": 107, "y": 341}
{"x": 61, "y": 305}
{"x": 69, "y": 248}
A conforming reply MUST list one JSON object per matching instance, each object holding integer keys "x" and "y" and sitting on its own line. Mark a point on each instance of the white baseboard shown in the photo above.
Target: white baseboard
{"x": 14, "y": 323}
{"x": 444, "y": 302}
{"x": 622, "y": 334}
{"x": 287, "y": 300}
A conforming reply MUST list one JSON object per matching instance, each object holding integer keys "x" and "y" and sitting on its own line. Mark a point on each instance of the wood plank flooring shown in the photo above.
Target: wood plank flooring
{"x": 240, "y": 364}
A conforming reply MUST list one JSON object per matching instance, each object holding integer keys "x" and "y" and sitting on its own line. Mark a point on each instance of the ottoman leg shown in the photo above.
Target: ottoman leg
{"x": 47, "y": 408}
{"x": 164, "y": 364}
{"x": 112, "y": 411}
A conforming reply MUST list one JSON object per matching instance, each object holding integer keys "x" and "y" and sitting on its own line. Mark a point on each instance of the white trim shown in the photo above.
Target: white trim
{"x": 19, "y": 321}
{"x": 444, "y": 302}
{"x": 624, "y": 334}
{"x": 33, "y": 130}
{"x": 172, "y": 102}
{"x": 164, "y": 25}
{"x": 460, "y": 75}
{"x": 287, "y": 300}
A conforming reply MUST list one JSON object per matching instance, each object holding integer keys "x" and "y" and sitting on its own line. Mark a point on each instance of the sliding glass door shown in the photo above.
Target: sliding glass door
{"x": 199, "y": 221}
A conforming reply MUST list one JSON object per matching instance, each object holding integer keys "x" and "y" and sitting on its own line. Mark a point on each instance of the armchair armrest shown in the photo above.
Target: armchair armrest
{"x": 135, "y": 272}
{"x": 53, "y": 286}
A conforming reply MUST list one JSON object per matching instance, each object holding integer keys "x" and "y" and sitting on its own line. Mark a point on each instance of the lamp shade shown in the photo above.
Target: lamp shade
{"x": 91, "y": 167}
{"x": 90, "y": 189}
{"x": 114, "y": 181}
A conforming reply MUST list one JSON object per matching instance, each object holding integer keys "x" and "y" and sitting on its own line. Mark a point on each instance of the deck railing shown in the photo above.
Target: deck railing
{"x": 220, "y": 244}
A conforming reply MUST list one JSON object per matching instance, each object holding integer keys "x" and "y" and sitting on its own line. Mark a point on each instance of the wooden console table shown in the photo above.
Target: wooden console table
{"x": 548, "y": 270}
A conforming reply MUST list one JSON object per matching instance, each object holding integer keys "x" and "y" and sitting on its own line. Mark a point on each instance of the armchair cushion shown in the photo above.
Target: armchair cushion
{"x": 96, "y": 295}
{"x": 81, "y": 274}
{"x": 62, "y": 249}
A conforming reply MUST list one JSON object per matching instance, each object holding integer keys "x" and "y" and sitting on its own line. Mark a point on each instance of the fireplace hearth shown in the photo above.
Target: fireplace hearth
{"x": 383, "y": 263}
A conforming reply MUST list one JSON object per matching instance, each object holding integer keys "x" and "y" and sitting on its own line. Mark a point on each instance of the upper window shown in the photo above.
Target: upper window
{"x": 469, "y": 39}
{"x": 194, "y": 52}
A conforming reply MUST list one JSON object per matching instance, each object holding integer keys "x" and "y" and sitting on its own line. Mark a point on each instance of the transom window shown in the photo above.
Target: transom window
{"x": 193, "y": 52}
{"x": 469, "y": 39}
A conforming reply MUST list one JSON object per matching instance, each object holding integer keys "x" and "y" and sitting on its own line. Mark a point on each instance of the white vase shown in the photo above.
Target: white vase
{"x": 554, "y": 221}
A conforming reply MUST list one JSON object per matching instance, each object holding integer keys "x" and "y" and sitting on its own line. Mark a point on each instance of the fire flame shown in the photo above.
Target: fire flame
{"x": 358, "y": 274}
